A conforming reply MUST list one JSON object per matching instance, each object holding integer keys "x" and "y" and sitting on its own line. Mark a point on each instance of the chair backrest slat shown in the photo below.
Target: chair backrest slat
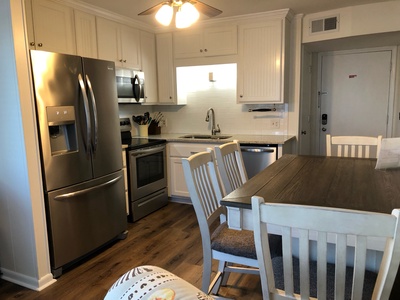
{"x": 230, "y": 166}
{"x": 352, "y": 146}
{"x": 321, "y": 225}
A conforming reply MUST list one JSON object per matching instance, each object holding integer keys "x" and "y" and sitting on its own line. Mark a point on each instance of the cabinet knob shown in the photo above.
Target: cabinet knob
{"x": 201, "y": 50}
{"x": 120, "y": 60}
{"x": 170, "y": 97}
{"x": 40, "y": 45}
{"x": 241, "y": 96}
{"x": 32, "y": 44}
{"x": 205, "y": 50}
{"x": 124, "y": 60}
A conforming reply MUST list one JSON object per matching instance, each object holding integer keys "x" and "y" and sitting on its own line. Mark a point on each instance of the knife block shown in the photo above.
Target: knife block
{"x": 154, "y": 129}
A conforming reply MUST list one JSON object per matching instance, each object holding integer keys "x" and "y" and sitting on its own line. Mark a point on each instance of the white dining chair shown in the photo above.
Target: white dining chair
{"x": 226, "y": 245}
{"x": 352, "y": 146}
{"x": 289, "y": 277}
{"x": 230, "y": 166}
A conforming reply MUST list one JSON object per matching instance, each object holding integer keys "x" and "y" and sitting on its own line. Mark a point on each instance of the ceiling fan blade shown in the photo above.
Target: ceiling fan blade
{"x": 206, "y": 9}
{"x": 153, "y": 9}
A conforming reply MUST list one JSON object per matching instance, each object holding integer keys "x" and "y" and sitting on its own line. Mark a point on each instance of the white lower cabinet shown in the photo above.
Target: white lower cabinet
{"x": 176, "y": 178}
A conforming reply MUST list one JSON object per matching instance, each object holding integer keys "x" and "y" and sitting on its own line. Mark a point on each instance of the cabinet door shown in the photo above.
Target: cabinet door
{"x": 130, "y": 44}
{"x": 53, "y": 27}
{"x": 260, "y": 65}
{"x": 85, "y": 33}
{"x": 149, "y": 65}
{"x": 216, "y": 41}
{"x": 108, "y": 41}
{"x": 177, "y": 184}
{"x": 188, "y": 44}
{"x": 165, "y": 69}
{"x": 220, "y": 41}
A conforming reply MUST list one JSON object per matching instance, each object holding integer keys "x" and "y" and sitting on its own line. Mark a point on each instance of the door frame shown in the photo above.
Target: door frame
{"x": 391, "y": 112}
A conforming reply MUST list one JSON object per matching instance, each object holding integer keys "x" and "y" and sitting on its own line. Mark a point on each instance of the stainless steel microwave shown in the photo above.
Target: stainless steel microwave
{"x": 130, "y": 86}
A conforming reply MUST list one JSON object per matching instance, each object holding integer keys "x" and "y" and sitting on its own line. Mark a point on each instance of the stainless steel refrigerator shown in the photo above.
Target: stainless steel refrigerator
{"x": 78, "y": 122}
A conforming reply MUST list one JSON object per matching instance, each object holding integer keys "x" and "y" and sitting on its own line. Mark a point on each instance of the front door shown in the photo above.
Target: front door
{"x": 354, "y": 94}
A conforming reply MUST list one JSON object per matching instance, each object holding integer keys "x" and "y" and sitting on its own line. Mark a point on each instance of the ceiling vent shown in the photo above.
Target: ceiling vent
{"x": 324, "y": 25}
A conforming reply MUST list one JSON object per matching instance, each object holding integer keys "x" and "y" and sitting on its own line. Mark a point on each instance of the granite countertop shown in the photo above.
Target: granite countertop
{"x": 242, "y": 138}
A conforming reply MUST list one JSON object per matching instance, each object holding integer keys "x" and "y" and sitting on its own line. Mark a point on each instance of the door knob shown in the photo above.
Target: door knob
{"x": 323, "y": 129}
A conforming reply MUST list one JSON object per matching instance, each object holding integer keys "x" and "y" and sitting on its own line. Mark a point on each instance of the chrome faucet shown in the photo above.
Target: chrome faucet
{"x": 213, "y": 129}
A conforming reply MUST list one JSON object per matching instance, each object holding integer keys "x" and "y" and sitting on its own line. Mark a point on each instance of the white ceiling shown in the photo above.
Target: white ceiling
{"x": 230, "y": 8}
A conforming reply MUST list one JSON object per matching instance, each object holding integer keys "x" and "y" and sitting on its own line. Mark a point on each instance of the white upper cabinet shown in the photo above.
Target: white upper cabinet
{"x": 149, "y": 65}
{"x": 85, "y": 33}
{"x": 261, "y": 62}
{"x": 166, "y": 70}
{"x": 221, "y": 40}
{"x": 53, "y": 25}
{"x": 118, "y": 43}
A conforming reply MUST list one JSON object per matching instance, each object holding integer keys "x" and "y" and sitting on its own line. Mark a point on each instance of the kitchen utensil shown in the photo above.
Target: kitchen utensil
{"x": 146, "y": 116}
{"x": 137, "y": 119}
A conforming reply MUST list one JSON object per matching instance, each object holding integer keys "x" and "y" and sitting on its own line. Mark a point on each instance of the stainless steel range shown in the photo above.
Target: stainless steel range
{"x": 147, "y": 173}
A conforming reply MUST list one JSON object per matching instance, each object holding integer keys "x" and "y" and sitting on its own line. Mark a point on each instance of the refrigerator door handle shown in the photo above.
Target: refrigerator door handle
{"x": 84, "y": 191}
{"x": 95, "y": 120}
{"x": 87, "y": 112}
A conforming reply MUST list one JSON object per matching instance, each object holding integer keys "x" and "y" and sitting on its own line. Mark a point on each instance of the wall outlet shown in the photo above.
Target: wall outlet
{"x": 275, "y": 123}
{"x": 162, "y": 123}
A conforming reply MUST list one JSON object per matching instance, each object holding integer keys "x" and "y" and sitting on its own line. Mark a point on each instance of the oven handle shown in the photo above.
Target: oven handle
{"x": 146, "y": 151}
{"x": 258, "y": 150}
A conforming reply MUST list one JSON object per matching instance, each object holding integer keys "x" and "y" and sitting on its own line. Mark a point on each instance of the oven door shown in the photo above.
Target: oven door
{"x": 147, "y": 171}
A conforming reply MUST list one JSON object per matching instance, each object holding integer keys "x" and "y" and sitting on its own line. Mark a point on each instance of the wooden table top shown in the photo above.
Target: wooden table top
{"x": 350, "y": 183}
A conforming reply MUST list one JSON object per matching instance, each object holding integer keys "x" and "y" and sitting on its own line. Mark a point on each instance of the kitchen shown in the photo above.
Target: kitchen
{"x": 17, "y": 130}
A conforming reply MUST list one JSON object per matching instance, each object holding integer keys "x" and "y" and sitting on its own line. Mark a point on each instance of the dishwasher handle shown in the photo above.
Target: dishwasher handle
{"x": 258, "y": 150}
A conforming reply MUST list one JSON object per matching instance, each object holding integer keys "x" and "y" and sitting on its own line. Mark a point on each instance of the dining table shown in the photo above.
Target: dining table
{"x": 339, "y": 182}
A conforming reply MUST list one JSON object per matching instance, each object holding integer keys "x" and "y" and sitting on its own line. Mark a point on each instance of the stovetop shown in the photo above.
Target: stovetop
{"x": 135, "y": 143}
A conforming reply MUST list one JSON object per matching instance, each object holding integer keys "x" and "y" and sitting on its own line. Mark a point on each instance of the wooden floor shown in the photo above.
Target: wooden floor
{"x": 169, "y": 238}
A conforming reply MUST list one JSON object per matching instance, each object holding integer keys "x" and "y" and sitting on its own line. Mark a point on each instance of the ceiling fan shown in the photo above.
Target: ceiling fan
{"x": 187, "y": 12}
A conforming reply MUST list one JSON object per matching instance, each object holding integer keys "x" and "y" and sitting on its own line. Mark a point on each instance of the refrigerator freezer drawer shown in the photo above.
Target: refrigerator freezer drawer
{"x": 83, "y": 217}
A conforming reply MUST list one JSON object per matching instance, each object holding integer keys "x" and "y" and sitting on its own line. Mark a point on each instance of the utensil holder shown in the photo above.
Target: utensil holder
{"x": 154, "y": 129}
{"x": 143, "y": 130}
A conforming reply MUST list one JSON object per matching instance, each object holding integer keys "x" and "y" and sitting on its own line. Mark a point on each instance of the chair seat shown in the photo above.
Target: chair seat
{"x": 241, "y": 242}
{"x": 369, "y": 279}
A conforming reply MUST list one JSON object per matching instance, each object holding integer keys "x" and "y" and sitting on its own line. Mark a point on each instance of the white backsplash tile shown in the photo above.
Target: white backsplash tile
{"x": 221, "y": 96}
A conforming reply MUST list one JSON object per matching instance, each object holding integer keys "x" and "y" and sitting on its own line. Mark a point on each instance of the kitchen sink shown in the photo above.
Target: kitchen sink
{"x": 205, "y": 136}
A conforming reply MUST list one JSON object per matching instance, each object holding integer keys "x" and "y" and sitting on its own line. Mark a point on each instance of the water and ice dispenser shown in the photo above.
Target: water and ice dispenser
{"x": 62, "y": 129}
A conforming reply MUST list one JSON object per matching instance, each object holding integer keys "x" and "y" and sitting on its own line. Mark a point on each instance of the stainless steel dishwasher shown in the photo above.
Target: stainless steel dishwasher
{"x": 257, "y": 157}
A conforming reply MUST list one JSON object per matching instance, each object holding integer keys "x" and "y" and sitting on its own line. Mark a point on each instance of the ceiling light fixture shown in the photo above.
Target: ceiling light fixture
{"x": 186, "y": 14}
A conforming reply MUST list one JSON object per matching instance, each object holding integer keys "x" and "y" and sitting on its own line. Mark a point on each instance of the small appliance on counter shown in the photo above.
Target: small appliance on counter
{"x": 147, "y": 173}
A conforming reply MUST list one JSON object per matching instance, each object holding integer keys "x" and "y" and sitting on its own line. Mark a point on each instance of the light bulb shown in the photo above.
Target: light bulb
{"x": 164, "y": 14}
{"x": 186, "y": 15}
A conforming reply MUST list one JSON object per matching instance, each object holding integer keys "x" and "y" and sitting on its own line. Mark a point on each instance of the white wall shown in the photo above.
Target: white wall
{"x": 201, "y": 94}
{"x": 356, "y": 20}
{"x": 24, "y": 255}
